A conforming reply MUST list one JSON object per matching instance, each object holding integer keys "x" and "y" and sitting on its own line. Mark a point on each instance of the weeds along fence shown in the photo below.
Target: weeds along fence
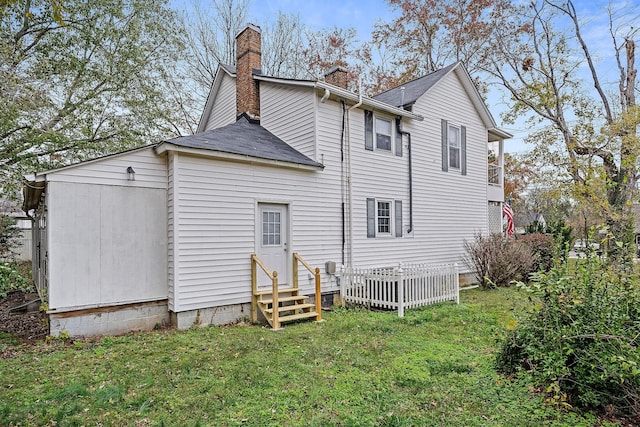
{"x": 403, "y": 287}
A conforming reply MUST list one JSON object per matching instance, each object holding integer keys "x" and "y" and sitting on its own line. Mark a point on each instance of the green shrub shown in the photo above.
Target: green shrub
{"x": 9, "y": 235}
{"x": 563, "y": 234}
{"x": 580, "y": 338}
{"x": 12, "y": 280}
{"x": 534, "y": 228}
{"x": 542, "y": 247}
{"x": 497, "y": 260}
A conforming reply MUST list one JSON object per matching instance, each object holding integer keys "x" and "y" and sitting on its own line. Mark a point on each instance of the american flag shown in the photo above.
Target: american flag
{"x": 508, "y": 212}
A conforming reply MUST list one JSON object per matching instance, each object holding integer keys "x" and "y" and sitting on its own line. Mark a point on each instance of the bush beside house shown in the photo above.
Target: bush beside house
{"x": 497, "y": 260}
{"x": 579, "y": 338}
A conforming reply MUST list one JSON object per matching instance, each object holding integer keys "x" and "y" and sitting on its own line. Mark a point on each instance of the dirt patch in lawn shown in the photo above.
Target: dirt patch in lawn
{"x": 20, "y": 319}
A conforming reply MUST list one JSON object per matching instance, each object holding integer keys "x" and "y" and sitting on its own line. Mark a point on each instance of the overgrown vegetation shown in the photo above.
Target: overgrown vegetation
{"x": 12, "y": 280}
{"x": 9, "y": 235}
{"x": 497, "y": 260}
{"x": 543, "y": 249}
{"x": 580, "y": 337}
{"x": 10, "y": 275}
{"x": 433, "y": 367}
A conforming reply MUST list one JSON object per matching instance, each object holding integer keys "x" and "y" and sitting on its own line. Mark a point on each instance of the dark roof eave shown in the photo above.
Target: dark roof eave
{"x": 242, "y": 140}
{"x": 242, "y": 158}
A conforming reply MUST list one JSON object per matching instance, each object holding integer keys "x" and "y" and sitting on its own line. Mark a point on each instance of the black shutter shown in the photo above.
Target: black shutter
{"x": 398, "y": 218}
{"x": 371, "y": 217}
{"x": 399, "y": 137}
{"x": 368, "y": 130}
{"x": 463, "y": 150}
{"x": 445, "y": 147}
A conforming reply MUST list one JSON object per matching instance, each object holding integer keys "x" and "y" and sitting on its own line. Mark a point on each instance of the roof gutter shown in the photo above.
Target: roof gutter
{"x": 31, "y": 193}
{"x": 345, "y": 94}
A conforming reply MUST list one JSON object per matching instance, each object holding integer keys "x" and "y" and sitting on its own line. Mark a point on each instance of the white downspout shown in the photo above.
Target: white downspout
{"x": 325, "y": 96}
{"x": 348, "y": 173}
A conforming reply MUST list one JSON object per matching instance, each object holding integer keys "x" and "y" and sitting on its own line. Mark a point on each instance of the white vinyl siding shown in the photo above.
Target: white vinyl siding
{"x": 223, "y": 110}
{"x": 448, "y": 208}
{"x": 215, "y": 225}
{"x": 381, "y": 176}
{"x": 289, "y": 113}
{"x": 151, "y": 170}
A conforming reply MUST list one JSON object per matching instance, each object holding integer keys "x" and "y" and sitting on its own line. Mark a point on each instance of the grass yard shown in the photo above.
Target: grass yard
{"x": 359, "y": 368}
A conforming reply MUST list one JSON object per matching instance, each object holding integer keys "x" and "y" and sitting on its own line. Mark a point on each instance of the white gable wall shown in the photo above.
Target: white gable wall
{"x": 223, "y": 111}
{"x": 151, "y": 170}
{"x": 288, "y": 113}
{"x": 447, "y": 206}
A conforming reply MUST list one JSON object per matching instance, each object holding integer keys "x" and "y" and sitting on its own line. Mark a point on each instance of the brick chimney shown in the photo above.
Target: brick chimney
{"x": 337, "y": 76}
{"x": 248, "y": 58}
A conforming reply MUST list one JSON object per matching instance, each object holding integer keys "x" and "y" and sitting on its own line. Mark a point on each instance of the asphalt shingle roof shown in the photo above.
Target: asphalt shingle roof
{"x": 229, "y": 68}
{"x": 247, "y": 138}
{"x": 413, "y": 89}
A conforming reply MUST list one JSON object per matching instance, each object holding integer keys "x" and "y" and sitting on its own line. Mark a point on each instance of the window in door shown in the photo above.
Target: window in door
{"x": 271, "y": 228}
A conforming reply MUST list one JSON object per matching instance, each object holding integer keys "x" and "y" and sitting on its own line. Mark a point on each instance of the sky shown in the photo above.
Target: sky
{"x": 319, "y": 14}
{"x": 363, "y": 14}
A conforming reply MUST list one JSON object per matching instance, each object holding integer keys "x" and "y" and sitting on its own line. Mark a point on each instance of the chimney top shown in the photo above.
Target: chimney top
{"x": 334, "y": 69}
{"x": 248, "y": 61}
{"x": 337, "y": 76}
{"x": 254, "y": 27}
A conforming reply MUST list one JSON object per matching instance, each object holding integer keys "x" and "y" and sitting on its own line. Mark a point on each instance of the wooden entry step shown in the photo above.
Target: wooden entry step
{"x": 283, "y": 303}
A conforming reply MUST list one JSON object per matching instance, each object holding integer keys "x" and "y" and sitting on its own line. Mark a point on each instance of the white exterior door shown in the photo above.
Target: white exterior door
{"x": 273, "y": 241}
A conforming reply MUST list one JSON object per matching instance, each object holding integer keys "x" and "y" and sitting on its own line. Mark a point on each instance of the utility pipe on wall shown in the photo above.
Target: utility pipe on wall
{"x": 348, "y": 175}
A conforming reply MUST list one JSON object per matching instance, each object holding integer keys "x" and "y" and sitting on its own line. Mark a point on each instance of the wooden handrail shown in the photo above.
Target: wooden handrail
{"x": 303, "y": 262}
{"x": 273, "y": 275}
{"x": 257, "y": 260}
{"x": 316, "y": 273}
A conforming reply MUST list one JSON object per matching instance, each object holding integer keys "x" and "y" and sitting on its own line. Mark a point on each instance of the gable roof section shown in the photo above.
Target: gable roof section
{"x": 217, "y": 81}
{"x": 314, "y": 84}
{"x": 244, "y": 140}
{"x": 413, "y": 89}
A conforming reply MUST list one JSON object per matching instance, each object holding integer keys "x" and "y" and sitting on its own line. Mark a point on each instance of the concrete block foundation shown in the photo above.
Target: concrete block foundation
{"x": 112, "y": 320}
{"x": 222, "y": 315}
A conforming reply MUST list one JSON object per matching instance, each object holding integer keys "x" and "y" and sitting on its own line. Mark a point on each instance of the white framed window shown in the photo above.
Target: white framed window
{"x": 453, "y": 136}
{"x": 454, "y": 147}
{"x": 384, "y": 218}
{"x": 384, "y": 133}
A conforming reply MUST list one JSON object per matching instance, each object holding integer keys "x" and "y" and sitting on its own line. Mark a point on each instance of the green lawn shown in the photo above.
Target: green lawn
{"x": 432, "y": 368}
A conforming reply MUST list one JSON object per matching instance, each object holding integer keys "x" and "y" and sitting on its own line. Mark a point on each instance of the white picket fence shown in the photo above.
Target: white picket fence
{"x": 402, "y": 287}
